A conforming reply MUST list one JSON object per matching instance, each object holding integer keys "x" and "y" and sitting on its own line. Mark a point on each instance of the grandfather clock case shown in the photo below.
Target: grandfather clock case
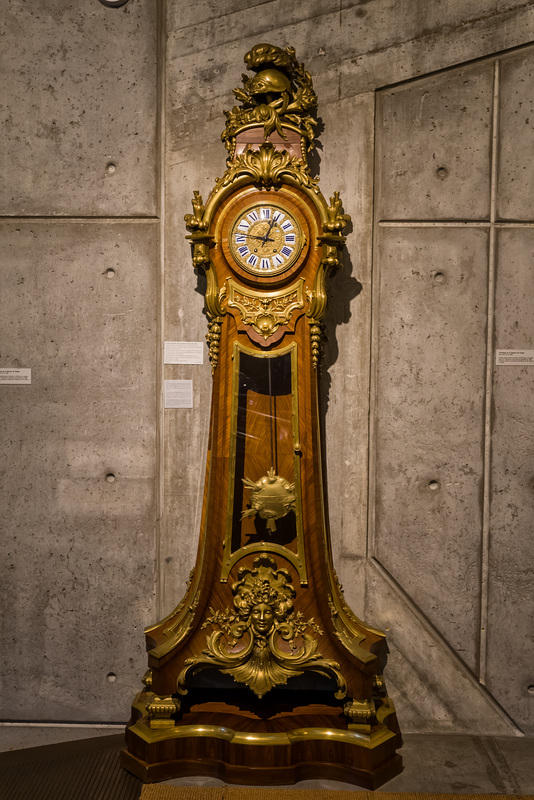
{"x": 262, "y": 674}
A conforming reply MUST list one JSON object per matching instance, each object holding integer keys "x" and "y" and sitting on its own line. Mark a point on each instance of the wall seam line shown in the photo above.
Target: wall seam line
{"x": 373, "y": 356}
{"x": 160, "y": 416}
{"x": 151, "y": 220}
{"x": 526, "y": 223}
{"x": 484, "y": 565}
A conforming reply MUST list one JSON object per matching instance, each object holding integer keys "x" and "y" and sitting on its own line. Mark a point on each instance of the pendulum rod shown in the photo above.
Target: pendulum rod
{"x": 274, "y": 454}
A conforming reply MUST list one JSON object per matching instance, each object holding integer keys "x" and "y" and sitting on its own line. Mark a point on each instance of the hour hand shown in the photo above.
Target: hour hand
{"x": 261, "y": 238}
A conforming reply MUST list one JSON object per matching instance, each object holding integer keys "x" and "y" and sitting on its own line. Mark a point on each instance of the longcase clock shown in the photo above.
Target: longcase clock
{"x": 262, "y": 674}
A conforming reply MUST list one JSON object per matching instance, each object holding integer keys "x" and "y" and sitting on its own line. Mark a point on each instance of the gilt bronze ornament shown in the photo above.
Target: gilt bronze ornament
{"x": 263, "y": 674}
{"x": 272, "y": 497}
{"x": 264, "y": 612}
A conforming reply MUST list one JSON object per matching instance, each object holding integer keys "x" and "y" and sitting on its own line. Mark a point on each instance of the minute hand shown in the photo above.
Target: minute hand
{"x": 269, "y": 229}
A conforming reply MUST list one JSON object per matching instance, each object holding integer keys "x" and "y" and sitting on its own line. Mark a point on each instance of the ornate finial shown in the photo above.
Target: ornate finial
{"x": 280, "y": 91}
{"x": 195, "y": 222}
{"x": 336, "y": 219}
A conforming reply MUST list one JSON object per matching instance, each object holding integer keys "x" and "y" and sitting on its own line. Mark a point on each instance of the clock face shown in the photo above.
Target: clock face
{"x": 266, "y": 239}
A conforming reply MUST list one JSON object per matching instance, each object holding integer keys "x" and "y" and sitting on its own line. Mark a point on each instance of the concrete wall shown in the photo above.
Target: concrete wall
{"x": 432, "y": 284}
{"x": 451, "y": 476}
{"x": 79, "y": 261}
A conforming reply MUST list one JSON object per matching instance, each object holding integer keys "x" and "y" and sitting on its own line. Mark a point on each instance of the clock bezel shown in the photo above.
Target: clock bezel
{"x": 250, "y": 199}
{"x": 288, "y": 263}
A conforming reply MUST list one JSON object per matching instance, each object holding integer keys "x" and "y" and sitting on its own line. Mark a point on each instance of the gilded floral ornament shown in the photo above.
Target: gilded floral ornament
{"x": 331, "y": 241}
{"x": 280, "y": 91}
{"x": 268, "y": 167}
{"x": 264, "y": 614}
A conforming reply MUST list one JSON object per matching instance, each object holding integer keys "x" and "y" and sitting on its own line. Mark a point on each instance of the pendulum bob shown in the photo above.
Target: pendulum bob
{"x": 262, "y": 674}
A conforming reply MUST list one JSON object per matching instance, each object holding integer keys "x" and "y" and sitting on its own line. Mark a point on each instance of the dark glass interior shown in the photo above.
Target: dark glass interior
{"x": 264, "y": 440}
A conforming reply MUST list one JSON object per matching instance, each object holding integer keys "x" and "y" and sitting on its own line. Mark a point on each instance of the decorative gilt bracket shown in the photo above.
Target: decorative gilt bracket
{"x": 332, "y": 241}
{"x": 360, "y": 712}
{"x": 161, "y": 710}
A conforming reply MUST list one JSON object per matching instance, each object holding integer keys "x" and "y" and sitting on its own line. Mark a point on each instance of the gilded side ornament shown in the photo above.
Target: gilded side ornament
{"x": 195, "y": 222}
{"x": 182, "y": 618}
{"x": 336, "y": 219}
{"x": 317, "y": 337}
{"x": 379, "y": 685}
{"x": 345, "y": 624}
{"x": 198, "y": 224}
{"x": 146, "y": 680}
{"x": 264, "y": 614}
{"x": 213, "y": 338}
{"x": 331, "y": 241}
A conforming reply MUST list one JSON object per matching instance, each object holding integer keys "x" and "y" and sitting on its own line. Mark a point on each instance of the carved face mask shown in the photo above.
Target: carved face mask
{"x": 262, "y": 618}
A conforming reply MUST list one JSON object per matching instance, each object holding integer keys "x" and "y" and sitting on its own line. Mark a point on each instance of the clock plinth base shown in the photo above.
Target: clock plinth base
{"x": 309, "y": 743}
